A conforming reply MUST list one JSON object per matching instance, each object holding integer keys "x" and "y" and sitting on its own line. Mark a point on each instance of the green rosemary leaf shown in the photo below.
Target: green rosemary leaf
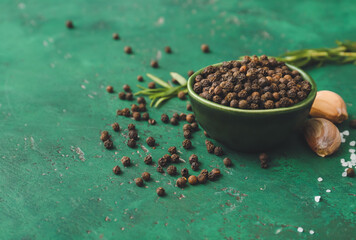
{"x": 179, "y": 78}
{"x": 159, "y": 81}
{"x": 161, "y": 100}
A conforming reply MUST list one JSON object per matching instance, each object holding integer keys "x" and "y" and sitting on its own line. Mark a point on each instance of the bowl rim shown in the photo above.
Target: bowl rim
{"x": 293, "y": 108}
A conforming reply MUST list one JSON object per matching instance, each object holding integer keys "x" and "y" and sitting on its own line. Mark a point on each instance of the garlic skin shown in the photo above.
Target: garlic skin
{"x": 329, "y": 105}
{"x": 323, "y": 136}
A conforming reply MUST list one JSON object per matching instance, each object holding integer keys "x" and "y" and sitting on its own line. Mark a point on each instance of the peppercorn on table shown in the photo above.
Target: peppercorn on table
{"x": 56, "y": 177}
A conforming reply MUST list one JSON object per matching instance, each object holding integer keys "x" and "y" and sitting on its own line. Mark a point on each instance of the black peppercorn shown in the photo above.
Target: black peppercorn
{"x": 202, "y": 179}
{"x": 172, "y": 170}
{"x": 151, "y": 85}
{"x": 150, "y": 141}
{"x": 181, "y": 182}
{"x": 195, "y": 166}
{"x": 104, "y": 136}
{"x": 131, "y": 143}
{"x": 128, "y": 49}
{"x": 218, "y": 151}
{"x": 210, "y": 147}
{"x": 193, "y": 158}
{"x": 181, "y": 95}
{"x": 116, "y": 127}
{"x": 116, "y": 170}
{"x": 154, "y": 63}
{"x": 109, "y": 89}
{"x": 126, "y": 88}
{"x": 187, "y": 127}
{"x": 134, "y": 108}
{"x": 194, "y": 126}
{"x": 175, "y": 158}
{"x": 160, "y": 191}
{"x": 139, "y": 182}
{"x": 184, "y": 172}
{"x": 168, "y": 157}
{"x": 131, "y": 126}
{"x": 108, "y": 144}
{"x": 182, "y": 117}
{"x": 172, "y": 150}
{"x": 148, "y": 159}
{"x": 129, "y": 96}
{"x": 159, "y": 169}
{"x": 164, "y": 118}
{"x": 227, "y": 162}
{"x": 264, "y": 160}
{"x": 136, "y": 116}
{"x": 350, "y": 172}
{"x": 189, "y": 107}
{"x": 204, "y": 172}
{"x": 205, "y": 48}
{"x": 145, "y": 116}
{"x": 142, "y": 107}
{"x": 174, "y": 121}
{"x": 139, "y": 78}
{"x": 126, "y": 161}
{"x": 69, "y": 24}
{"x": 146, "y": 176}
{"x": 187, "y": 144}
{"x": 151, "y": 121}
{"x": 190, "y": 118}
{"x": 122, "y": 95}
{"x": 352, "y": 123}
{"x": 187, "y": 134}
{"x": 168, "y": 49}
{"x": 133, "y": 134}
{"x": 190, "y": 73}
{"x": 162, "y": 162}
{"x": 193, "y": 180}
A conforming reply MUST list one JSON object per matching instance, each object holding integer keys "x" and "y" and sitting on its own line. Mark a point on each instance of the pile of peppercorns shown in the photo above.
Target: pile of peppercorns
{"x": 253, "y": 83}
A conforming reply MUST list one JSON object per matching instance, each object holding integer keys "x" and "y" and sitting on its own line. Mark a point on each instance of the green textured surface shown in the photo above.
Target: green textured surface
{"x": 55, "y": 177}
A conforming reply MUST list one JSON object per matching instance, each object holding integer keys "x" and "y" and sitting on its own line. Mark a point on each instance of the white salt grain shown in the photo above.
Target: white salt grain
{"x": 311, "y": 232}
{"x": 352, "y": 143}
{"x": 346, "y": 132}
{"x": 342, "y": 160}
{"x": 328, "y": 190}
{"x": 352, "y": 150}
{"x": 320, "y": 179}
{"x": 344, "y": 164}
{"x": 317, "y": 198}
{"x": 343, "y": 140}
{"x": 344, "y": 174}
{"x": 300, "y": 229}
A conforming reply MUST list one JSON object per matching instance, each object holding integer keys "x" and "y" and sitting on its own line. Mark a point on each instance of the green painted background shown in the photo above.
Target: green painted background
{"x": 55, "y": 177}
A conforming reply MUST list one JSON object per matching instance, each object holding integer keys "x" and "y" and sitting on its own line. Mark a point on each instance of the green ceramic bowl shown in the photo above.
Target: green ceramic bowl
{"x": 250, "y": 130}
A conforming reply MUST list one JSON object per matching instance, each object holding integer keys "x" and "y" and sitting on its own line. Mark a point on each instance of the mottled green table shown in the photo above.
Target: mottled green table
{"x": 56, "y": 180}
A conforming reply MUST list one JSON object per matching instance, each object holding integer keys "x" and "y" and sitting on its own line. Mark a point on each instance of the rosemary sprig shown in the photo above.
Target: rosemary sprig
{"x": 344, "y": 53}
{"x": 167, "y": 90}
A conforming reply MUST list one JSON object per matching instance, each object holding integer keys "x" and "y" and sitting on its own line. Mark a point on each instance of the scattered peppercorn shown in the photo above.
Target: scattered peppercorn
{"x": 209, "y": 146}
{"x": 151, "y": 85}
{"x": 141, "y": 100}
{"x": 145, "y": 116}
{"x": 139, "y": 78}
{"x": 350, "y": 172}
{"x": 195, "y": 166}
{"x": 136, "y": 116}
{"x": 122, "y": 95}
{"x": 205, "y": 48}
{"x": 126, "y": 161}
{"x": 109, "y": 89}
{"x": 131, "y": 126}
{"x": 181, "y": 95}
{"x": 190, "y": 73}
{"x": 264, "y": 160}
{"x": 190, "y": 118}
{"x": 227, "y": 162}
{"x": 104, "y": 136}
{"x": 146, "y": 176}
{"x": 116, "y": 170}
{"x": 194, "y": 126}
{"x": 189, "y": 107}
{"x": 162, "y": 162}
{"x": 175, "y": 158}
{"x": 134, "y": 108}
{"x": 172, "y": 170}
{"x": 174, "y": 121}
{"x": 69, "y": 24}
{"x": 142, "y": 107}
{"x": 115, "y": 36}
{"x": 172, "y": 150}
{"x": 116, "y": 127}
{"x": 187, "y": 144}
{"x": 128, "y": 49}
{"x": 151, "y": 121}
{"x": 126, "y": 112}
{"x": 204, "y": 172}
{"x": 182, "y": 117}
{"x": 148, "y": 159}
{"x": 353, "y": 123}
{"x": 202, "y": 178}
{"x": 131, "y": 143}
{"x": 139, "y": 182}
{"x": 218, "y": 151}
{"x": 150, "y": 141}
{"x": 187, "y": 134}
{"x": 164, "y": 118}
{"x": 193, "y": 158}
{"x": 184, "y": 172}
{"x": 108, "y": 144}
{"x": 168, "y": 49}
{"x": 187, "y": 127}
{"x": 181, "y": 182}
{"x": 214, "y": 174}
{"x": 133, "y": 134}
{"x": 193, "y": 180}
{"x": 160, "y": 191}
{"x": 160, "y": 169}
{"x": 126, "y": 88}
{"x": 154, "y": 63}
{"x": 129, "y": 96}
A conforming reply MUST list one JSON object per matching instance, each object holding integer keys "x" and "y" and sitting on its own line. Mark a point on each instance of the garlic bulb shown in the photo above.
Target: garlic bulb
{"x": 329, "y": 105}
{"x": 323, "y": 136}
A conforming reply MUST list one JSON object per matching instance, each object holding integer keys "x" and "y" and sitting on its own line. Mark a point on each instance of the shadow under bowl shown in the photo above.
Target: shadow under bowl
{"x": 250, "y": 130}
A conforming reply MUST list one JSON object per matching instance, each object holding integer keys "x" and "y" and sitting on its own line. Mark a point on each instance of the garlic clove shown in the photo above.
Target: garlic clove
{"x": 323, "y": 136}
{"x": 329, "y": 105}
